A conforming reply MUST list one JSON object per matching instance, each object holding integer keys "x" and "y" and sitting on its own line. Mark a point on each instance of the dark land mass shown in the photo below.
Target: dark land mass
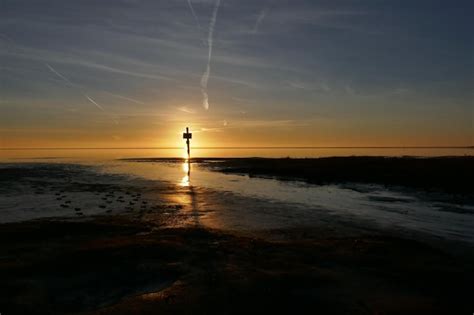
{"x": 443, "y": 174}
{"x": 119, "y": 265}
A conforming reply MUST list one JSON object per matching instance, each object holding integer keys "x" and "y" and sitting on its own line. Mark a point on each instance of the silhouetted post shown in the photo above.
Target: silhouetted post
{"x": 187, "y": 135}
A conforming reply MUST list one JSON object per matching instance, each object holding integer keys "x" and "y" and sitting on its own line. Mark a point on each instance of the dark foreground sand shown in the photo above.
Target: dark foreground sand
{"x": 119, "y": 265}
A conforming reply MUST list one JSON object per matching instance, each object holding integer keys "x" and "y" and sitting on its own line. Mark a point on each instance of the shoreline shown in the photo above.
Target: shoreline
{"x": 437, "y": 174}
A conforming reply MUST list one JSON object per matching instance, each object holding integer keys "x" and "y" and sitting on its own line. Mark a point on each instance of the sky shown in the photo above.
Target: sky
{"x": 135, "y": 73}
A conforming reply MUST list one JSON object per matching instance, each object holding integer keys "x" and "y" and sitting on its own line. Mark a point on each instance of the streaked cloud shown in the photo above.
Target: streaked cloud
{"x": 260, "y": 19}
{"x": 210, "y": 43}
{"x": 186, "y": 110}
{"x": 276, "y": 64}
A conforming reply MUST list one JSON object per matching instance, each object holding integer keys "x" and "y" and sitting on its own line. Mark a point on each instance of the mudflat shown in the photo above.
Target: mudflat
{"x": 135, "y": 261}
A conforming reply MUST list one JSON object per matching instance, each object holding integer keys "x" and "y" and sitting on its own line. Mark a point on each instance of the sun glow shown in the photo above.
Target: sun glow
{"x": 185, "y": 154}
{"x": 186, "y": 180}
{"x": 186, "y": 167}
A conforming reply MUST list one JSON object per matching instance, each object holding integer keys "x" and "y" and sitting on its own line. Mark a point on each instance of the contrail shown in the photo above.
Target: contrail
{"x": 125, "y": 98}
{"x": 59, "y": 75}
{"x": 62, "y": 77}
{"x": 94, "y": 102}
{"x": 194, "y": 14}
{"x": 260, "y": 19}
{"x": 74, "y": 86}
{"x": 207, "y": 73}
{"x": 262, "y": 15}
{"x": 90, "y": 99}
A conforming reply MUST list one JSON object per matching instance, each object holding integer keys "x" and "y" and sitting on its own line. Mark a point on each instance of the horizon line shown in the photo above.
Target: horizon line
{"x": 243, "y": 147}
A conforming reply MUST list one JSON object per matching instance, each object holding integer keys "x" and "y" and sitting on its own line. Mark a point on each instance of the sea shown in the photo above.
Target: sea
{"x": 230, "y": 201}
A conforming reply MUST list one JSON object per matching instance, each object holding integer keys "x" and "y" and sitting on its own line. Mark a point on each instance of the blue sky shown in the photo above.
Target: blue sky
{"x": 293, "y": 72}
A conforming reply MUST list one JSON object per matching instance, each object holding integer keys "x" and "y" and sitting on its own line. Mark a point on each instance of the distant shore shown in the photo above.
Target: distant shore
{"x": 438, "y": 174}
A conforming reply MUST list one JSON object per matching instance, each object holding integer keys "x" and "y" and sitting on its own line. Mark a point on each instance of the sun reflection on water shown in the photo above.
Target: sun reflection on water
{"x": 186, "y": 166}
{"x": 188, "y": 196}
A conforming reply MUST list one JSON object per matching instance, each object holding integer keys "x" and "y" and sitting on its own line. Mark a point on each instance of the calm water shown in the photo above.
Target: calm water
{"x": 109, "y": 154}
{"x": 235, "y": 202}
{"x": 298, "y": 204}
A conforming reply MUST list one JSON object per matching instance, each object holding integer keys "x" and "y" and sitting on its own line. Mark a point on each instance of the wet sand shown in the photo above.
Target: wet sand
{"x": 135, "y": 259}
{"x": 445, "y": 174}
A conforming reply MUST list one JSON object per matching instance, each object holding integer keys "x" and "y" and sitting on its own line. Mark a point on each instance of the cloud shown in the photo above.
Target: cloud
{"x": 260, "y": 19}
{"x": 269, "y": 123}
{"x": 46, "y": 56}
{"x": 74, "y": 86}
{"x": 59, "y": 75}
{"x": 94, "y": 102}
{"x": 191, "y": 8}
{"x": 314, "y": 87}
{"x": 210, "y": 41}
{"x": 253, "y": 124}
{"x": 217, "y": 129}
{"x": 184, "y": 109}
{"x": 124, "y": 98}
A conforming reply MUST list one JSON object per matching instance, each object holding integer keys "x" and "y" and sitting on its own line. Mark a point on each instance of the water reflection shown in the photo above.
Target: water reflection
{"x": 214, "y": 196}
{"x": 186, "y": 180}
{"x": 190, "y": 195}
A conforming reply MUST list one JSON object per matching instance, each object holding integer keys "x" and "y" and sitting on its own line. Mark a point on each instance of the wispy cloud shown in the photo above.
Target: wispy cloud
{"x": 237, "y": 124}
{"x": 204, "y": 129}
{"x": 260, "y": 19}
{"x": 191, "y": 8}
{"x": 46, "y": 56}
{"x": 124, "y": 98}
{"x": 313, "y": 87}
{"x": 94, "y": 102}
{"x": 91, "y": 100}
{"x": 207, "y": 73}
{"x": 184, "y": 109}
{"x": 59, "y": 75}
{"x": 270, "y": 123}
{"x": 124, "y": 71}
{"x": 74, "y": 86}
{"x": 78, "y": 87}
